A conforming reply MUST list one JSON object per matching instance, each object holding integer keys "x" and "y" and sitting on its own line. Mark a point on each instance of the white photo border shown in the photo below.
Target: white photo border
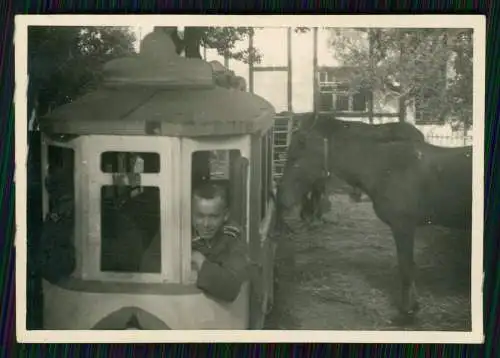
{"x": 476, "y": 22}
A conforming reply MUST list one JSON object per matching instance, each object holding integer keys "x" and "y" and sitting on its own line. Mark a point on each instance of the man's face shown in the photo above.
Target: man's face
{"x": 208, "y": 215}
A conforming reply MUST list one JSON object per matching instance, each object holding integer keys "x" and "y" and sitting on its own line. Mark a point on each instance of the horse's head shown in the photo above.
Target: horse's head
{"x": 323, "y": 142}
{"x": 306, "y": 163}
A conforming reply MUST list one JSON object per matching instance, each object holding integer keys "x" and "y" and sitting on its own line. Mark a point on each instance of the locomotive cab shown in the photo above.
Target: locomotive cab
{"x": 120, "y": 164}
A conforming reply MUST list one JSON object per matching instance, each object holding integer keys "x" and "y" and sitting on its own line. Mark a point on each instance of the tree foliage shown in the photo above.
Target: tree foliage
{"x": 222, "y": 39}
{"x": 65, "y": 61}
{"x": 430, "y": 66}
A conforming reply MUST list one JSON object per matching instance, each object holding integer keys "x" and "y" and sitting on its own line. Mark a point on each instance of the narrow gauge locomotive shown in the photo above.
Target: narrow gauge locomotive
{"x": 127, "y": 155}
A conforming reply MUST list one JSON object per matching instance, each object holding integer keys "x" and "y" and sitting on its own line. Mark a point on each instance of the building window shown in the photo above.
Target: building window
{"x": 337, "y": 97}
{"x": 325, "y": 102}
{"x": 342, "y": 103}
{"x": 359, "y": 102}
{"x": 423, "y": 114}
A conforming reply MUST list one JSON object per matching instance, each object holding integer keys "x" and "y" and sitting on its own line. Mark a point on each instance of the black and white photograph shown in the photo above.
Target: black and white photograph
{"x": 298, "y": 178}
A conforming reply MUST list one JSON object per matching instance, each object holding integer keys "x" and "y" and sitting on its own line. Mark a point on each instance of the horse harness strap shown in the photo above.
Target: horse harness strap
{"x": 325, "y": 156}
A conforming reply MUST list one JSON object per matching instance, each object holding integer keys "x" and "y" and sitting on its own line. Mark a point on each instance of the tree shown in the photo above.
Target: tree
{"x": 222, "y": 39}
{"x": 66, "y": 61}
{"x": 63, "y": 63}
{"x": 430, "y": 66}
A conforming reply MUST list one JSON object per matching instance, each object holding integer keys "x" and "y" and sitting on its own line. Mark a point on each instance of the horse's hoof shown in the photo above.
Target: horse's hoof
{"x": 415, "y": 309}
{"x": 407, "y": 317}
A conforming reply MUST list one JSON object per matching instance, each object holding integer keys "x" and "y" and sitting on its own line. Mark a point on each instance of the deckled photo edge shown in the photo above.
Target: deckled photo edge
{"x": 477, "y": 22}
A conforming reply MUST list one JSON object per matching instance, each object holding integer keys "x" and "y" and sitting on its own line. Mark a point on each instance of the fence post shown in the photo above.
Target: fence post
{"x": 315, "y": 69}
{"x": 465, "y": 134}
{"x": 250, "y": 63}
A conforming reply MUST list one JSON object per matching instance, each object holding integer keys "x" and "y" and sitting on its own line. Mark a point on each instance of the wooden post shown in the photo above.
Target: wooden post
{"x": 372, "y": 68}
{"x": 465, "y": 133}
{"x": 315, "y": 69}
{"x": 289, "y": 72}
{"x": 250, "y": 64}
{"x": 402, "y": 109}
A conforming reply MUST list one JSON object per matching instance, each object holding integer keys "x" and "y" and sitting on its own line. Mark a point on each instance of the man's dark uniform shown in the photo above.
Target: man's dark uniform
{"x": 226, "y": 265}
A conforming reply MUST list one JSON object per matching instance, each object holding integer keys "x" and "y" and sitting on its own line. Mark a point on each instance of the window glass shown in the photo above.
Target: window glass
{"x": 213, "y": 164}
{"x": 342, "y": 103}
{"x": 219, "y": 167}
{"x": 342, "y": 88}
{"x": 325, "y": 102}
{"x": 130, "y": 162}
{"x": 359, "y": 102}
{"x": 130, "y": 226}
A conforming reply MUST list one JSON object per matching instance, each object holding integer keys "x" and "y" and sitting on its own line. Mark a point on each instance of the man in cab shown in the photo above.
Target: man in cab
{"x": 219, "y": 252}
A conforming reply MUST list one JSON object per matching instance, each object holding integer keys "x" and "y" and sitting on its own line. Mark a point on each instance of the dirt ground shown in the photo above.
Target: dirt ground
{"x": 342, "y": 275}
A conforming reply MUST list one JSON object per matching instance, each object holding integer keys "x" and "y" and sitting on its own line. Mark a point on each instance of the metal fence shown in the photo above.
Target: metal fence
{"x": 454, "y": 140}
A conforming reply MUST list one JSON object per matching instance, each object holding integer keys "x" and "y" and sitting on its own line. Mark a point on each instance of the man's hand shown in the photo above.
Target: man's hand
{"x": 194, "y": 276}
{"x": 197, "y": 259}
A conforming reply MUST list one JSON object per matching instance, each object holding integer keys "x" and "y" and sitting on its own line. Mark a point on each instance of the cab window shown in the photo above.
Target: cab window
{"x": 221, "y": 167}
{"x": 130, "y": 213}
{"x": 125, "y": 162}
{"x": 56, "y": 251}
{"x": 59, "y": 182}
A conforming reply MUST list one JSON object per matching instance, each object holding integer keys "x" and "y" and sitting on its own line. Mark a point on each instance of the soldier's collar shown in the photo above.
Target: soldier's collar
{"x": 208, "y": 242}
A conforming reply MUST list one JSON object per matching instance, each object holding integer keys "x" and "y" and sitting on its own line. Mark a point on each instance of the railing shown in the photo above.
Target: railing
{"x": 449, "y": 140}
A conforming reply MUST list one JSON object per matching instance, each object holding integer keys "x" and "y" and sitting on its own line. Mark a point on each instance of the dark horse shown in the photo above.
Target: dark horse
{"x": 312, "y": 203}
{"x": 410, "y": 183}
{"x": 316, "y": 193}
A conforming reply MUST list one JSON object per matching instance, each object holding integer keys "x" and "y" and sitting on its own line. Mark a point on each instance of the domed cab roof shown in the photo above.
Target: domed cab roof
{"x": 157, "y": 92}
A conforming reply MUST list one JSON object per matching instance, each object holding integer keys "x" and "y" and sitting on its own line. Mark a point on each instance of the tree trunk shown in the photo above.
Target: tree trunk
{"x": 402, "y": 99}
{"x": 178, "y": 42}
{"x": 371, "y": 45}
{"x": 192, "y": 41}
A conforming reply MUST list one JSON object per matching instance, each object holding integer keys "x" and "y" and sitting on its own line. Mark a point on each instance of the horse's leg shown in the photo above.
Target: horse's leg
{"x": 281, "y": 226}
{"x": 318, "y": 210}
{"x": 404, "y": 237}
{"x": 356, "y": 194}
{"x": 306, "y": 207}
